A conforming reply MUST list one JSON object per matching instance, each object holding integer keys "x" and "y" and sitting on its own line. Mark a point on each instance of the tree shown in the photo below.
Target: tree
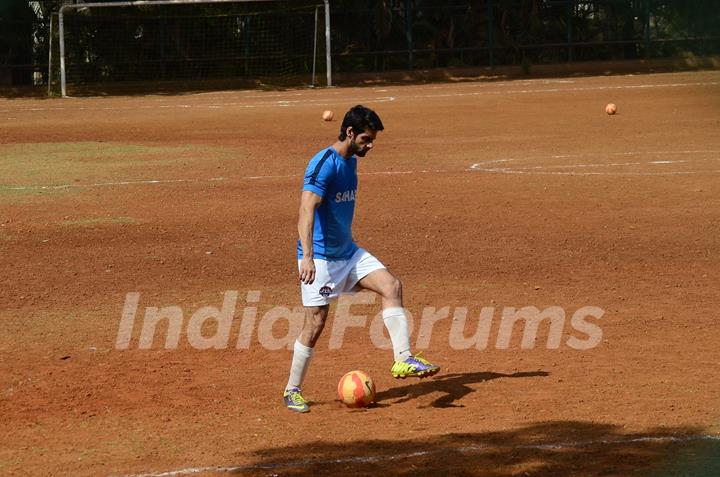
{"x": 16, "y": 42}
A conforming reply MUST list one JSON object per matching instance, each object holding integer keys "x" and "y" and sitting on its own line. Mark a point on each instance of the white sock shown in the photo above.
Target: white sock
{"x": 300, "y": 364}
{"x": 396, "y": 323}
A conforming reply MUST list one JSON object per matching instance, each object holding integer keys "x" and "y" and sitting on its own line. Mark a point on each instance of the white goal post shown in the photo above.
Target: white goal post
{"x": 151, "y": 3}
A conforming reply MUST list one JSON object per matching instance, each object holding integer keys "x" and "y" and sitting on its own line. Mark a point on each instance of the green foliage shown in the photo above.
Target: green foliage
{"x": 196, "y": 41}
{"x": 526, "y": 66}
{"x": 16, "y": 30}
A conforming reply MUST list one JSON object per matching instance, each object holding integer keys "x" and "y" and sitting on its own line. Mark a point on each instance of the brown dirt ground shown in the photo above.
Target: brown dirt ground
{"x": 628, "y": 219}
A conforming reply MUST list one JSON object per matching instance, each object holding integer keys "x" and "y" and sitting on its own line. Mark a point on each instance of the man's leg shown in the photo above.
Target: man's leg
{"x": 315, "y": 317}
{"x": 389, "y": 288}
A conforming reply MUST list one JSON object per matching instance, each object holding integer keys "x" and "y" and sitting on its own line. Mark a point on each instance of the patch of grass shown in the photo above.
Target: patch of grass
{"x": 51, "y": 164}
{"x": 10, "y": 189}
{"x": 14, "y": 193}
{"x": 31, "y": 171}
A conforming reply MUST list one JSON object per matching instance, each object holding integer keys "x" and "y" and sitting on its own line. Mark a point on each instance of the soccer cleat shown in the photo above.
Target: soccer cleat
{"x": 295, "y": 401}
{"x": 414, "y": 366}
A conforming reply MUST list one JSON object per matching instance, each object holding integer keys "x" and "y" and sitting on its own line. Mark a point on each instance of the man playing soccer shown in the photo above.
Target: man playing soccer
{"x": 331, "y": 264}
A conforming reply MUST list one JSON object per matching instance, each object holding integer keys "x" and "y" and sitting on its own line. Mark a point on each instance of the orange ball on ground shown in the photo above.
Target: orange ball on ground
{"x": 356, "y": 389}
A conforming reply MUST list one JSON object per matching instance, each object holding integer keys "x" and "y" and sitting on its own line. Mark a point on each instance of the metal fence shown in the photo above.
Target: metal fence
{"x": 386, "y": 35}
{"x": 425, "y": 34}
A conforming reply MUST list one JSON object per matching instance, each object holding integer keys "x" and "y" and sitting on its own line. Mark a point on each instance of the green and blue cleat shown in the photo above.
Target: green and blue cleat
{"x": 295, "y": 401}
{"x": 414, "y": 367}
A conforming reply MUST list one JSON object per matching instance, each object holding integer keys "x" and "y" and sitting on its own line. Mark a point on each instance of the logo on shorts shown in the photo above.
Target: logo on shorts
{"x": 325, "y": 291}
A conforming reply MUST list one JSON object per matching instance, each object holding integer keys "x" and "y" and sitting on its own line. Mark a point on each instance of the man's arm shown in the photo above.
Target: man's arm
{"x": 309, "y": 201}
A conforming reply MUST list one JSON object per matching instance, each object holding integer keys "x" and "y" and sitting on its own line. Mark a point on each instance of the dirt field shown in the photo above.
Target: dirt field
{"x": 478, "y": 194}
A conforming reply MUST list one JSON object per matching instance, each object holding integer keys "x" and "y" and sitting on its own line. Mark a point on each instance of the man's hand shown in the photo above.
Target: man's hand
{"x": 307, "y": 270}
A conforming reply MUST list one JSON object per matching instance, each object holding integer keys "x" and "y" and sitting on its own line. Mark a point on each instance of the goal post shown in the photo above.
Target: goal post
{"x": 151, "y": 41}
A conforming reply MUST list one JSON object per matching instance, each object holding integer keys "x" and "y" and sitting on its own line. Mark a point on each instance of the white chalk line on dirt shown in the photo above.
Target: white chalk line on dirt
{"x": 224, "y": 105}
{"x": 179, "y": 181}
{"x": 576, "y": 173}
{"x": 472, "y": 449}
{"x": 343, "y": 101}
{"x": 564, "y": 90}
{"x": 635, "y": 153}
{"x": 477, "y": 167}
{"x": 550, "y": 169}
{"x": 110, "y": 184}
{"x": 497, "y": 84}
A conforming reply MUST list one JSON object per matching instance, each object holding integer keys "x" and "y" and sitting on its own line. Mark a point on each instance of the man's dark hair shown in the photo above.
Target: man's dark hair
{"x": 360, "y": 119}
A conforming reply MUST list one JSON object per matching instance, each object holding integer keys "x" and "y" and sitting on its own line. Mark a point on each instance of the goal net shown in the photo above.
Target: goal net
{"x": 193, "y": 45}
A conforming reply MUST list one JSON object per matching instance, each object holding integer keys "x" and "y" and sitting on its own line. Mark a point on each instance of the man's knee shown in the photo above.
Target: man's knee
{"x": 316, "y": 315}
{"x": 392, "y": 289}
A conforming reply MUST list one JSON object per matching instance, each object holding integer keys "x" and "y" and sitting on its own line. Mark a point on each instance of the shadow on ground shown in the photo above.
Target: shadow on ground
{"x": 566, "y": 448}
{"x": 454, "y": 386}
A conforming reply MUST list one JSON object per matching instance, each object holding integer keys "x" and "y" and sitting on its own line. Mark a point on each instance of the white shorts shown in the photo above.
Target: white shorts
{"x": 337, "y": 277}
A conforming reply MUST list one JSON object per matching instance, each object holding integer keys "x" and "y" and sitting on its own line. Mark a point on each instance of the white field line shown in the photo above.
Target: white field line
{"x": 565, "y": 90}
{"x": 343, "y": 101}
{"x": 613, "y": 164}
{"x": 551, "y": 169}
{"x": 110, "y": 184}
{"x": 498, "y": 84}
{"x": 472, "y": 449}
{"x": 575, "y": 173}
{"x": 212, "y": 179}
{"x": 477, "y": 167}
{"x": 224, "y": 105}
{"x": 632, "y": 153}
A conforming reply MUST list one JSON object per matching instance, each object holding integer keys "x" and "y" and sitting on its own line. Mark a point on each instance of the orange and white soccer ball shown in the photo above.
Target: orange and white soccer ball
{"x": 356, "y": 389}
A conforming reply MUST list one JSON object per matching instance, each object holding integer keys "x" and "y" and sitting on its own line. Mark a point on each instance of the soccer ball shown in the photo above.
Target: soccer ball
{"x": 356, "y": 389}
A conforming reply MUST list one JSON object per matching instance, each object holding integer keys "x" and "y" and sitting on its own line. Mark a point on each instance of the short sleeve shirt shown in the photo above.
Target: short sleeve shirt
{"x": 333, "y": 178}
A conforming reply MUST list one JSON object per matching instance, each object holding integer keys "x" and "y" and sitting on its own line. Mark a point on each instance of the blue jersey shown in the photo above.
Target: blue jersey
{"x": 334, "y": 179}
